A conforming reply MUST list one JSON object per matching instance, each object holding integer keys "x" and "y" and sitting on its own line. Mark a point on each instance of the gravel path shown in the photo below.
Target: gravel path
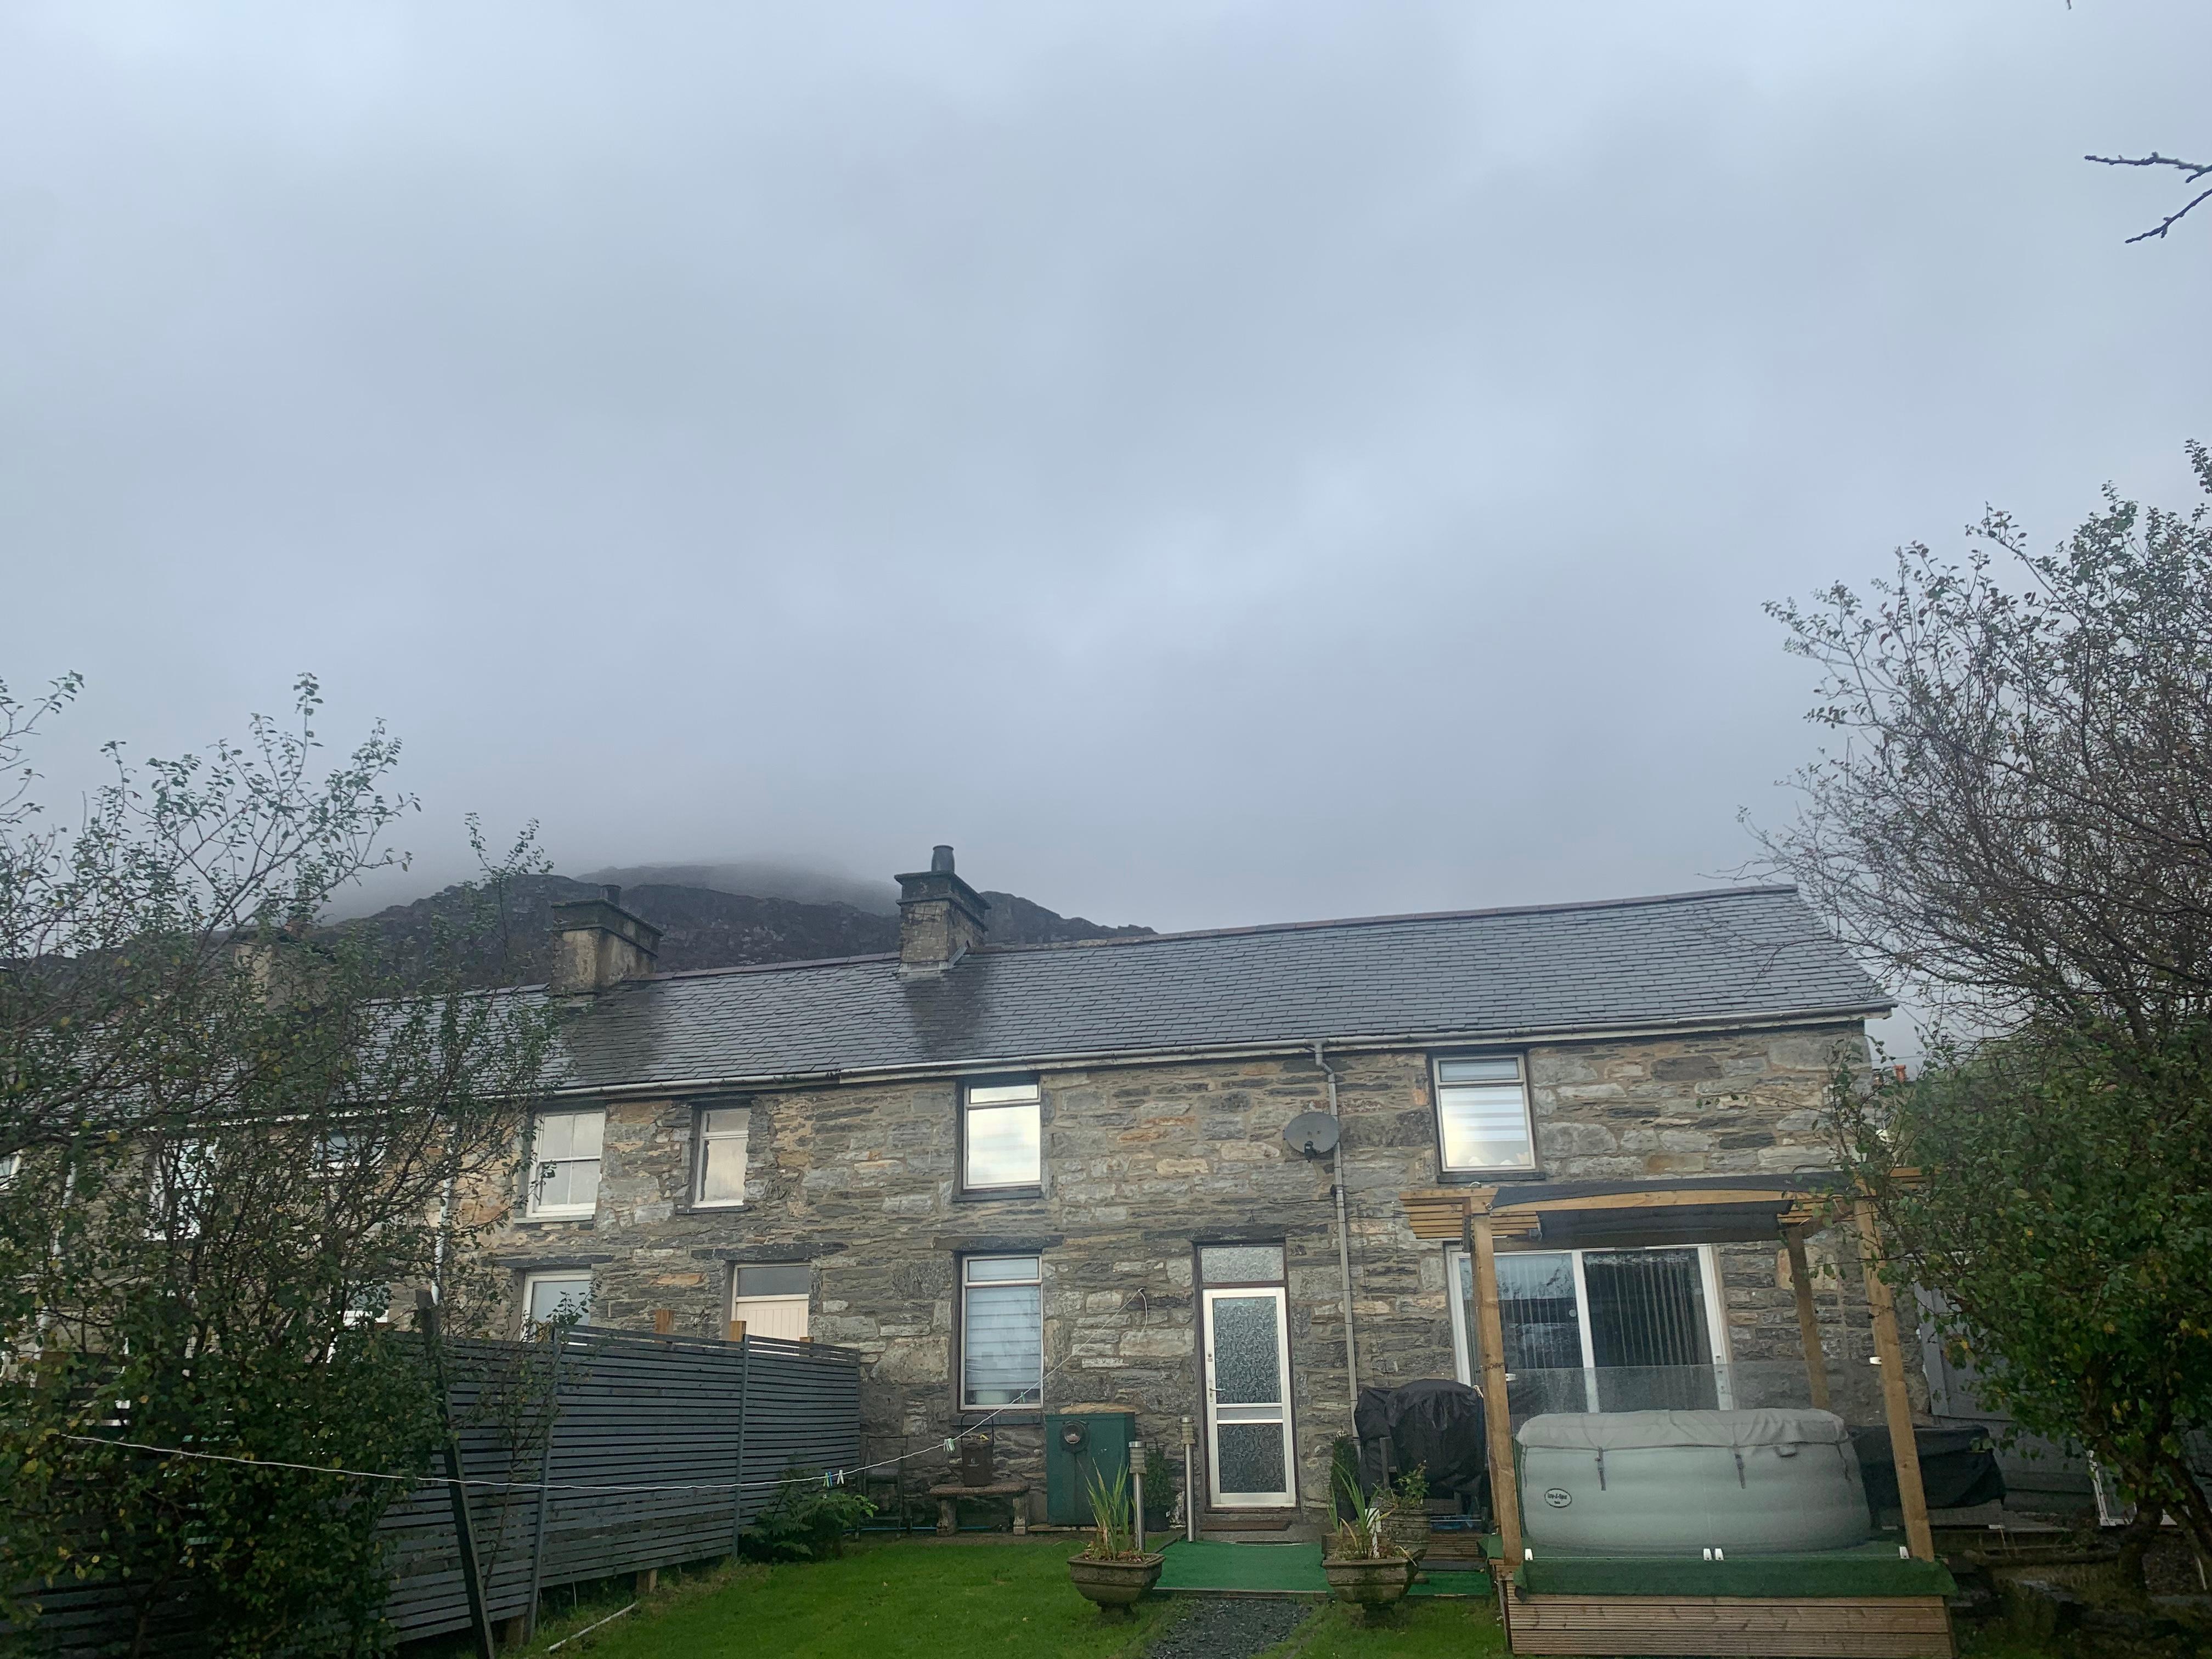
{"x": 1229, "y": 1626}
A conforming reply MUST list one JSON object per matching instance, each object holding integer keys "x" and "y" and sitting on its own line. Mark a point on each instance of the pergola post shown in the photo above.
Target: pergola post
{"x": 1808, "y": 1318}
{"x": 1496, "y": 1416}
{"x": 1896, "y": 1406}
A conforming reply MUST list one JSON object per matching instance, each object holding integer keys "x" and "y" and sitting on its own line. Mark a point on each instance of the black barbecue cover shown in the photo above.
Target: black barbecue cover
{"x": 1433, "y": 1423}
{"x": 1957, "y": 1467}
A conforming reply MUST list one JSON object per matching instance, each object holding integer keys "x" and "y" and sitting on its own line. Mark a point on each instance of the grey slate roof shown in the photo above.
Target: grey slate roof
{"x": 1754, "y": 955}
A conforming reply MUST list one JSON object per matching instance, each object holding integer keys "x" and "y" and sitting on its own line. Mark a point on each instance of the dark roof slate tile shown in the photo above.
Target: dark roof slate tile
{"x": 1755, "y": 955}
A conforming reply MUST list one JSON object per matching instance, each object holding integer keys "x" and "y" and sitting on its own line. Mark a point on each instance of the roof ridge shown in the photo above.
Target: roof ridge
{"x": 763, "y": 967}
{"x": 1638, "y": 903}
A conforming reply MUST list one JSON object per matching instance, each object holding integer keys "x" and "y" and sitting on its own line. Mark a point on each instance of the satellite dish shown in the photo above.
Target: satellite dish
{"x": 1313, "y": 1134}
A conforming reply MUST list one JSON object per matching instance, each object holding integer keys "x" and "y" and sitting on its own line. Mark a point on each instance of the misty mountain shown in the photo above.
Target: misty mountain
{"x": 704, "y": 927}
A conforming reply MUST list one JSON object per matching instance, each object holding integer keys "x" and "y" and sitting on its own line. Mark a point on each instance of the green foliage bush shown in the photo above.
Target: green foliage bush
{"x": 806, "y": 1520}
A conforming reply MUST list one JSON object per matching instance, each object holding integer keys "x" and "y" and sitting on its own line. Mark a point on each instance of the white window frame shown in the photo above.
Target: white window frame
{"x": 702, "y": 1137}
{"x": 1011, "y": 1091}
{"x": 192, "y": 1159}
{"x": 530, "y": 1281}
{"x": 1717, "y": 1334}
{"x": 967, "y": 1326}
{"x": 534, "y": 1173}
{"x": 1438, "y": 1085}
{"x": 11, "y": 1165}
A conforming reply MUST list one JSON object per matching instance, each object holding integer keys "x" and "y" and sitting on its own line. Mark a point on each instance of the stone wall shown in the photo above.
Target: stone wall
{"x": 1142, "y": 1163}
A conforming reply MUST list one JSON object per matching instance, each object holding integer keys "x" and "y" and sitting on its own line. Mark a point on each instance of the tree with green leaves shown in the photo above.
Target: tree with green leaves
{"x": 2013, "y": 816}
{"x": 232, "y": 1134}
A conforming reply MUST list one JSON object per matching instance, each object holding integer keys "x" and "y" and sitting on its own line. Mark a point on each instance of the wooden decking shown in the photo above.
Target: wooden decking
{"x": 1843, "y": 1627}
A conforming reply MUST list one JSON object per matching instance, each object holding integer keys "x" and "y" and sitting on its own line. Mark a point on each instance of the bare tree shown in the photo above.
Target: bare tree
{"x": 2191, "y": 171}
{"x": 2014, "y": 815}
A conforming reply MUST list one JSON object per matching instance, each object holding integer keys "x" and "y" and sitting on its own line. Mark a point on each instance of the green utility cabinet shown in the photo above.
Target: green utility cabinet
{"x": 1081, "y": 1441}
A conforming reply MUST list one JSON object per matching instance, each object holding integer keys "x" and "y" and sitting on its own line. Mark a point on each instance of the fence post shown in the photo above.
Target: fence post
{"x": 738, "y": 1498}
{"x": 544, "y": 1497}
{"x": 465, "y": 1536}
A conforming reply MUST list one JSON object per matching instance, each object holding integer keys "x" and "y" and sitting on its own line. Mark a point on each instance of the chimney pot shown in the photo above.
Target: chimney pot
{"x": 941, "y": 917}
{"x": 613, "y": 893}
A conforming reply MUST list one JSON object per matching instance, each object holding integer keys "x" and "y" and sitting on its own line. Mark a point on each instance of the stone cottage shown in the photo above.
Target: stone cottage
{"x": 1018, "y": 1178}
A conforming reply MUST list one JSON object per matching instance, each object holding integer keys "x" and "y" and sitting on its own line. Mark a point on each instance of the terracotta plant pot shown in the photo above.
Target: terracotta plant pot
{"x": 1374, "y": 1584}
{"x": 1114, "y": 1584}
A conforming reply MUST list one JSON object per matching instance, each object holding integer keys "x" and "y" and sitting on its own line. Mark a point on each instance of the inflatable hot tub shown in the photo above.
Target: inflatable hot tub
{"x": 1664, "y": 1483}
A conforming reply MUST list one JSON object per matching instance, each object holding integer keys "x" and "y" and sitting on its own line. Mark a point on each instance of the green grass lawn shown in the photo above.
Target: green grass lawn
{"x": 1009, "y": 1601}
{"x": 903, "y": 1600}
{"x": 921, "y": 1600}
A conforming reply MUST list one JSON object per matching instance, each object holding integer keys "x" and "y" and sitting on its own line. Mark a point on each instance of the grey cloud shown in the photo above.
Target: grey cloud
{"x": 1213, "y": 463}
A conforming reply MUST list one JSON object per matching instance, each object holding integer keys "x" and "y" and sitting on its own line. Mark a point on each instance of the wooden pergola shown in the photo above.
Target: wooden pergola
{"x": 1710, "y": 1210}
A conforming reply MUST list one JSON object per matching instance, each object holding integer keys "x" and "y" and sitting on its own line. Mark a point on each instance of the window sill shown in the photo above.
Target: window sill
{"x": 563, "y": 1215}
{"x": 730, "y": 1204}
{"x": 993, "y": 1194}
{"x": 1486, "y": 1177}
{"x": 1015, "y": 1417}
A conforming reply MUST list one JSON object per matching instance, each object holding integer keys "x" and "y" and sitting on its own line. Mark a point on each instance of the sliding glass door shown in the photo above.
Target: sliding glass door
{"x": 1602, "y": 1330}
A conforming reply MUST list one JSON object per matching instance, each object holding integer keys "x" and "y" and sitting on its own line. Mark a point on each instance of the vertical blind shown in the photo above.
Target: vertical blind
{"x": 1001, "y": 1331}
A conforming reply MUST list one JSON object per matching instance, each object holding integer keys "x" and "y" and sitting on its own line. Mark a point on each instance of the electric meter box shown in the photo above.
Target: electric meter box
{"x": 1081, "y": 1444}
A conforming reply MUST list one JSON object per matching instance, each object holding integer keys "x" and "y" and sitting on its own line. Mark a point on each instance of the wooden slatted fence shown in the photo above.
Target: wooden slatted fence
{"x": 709, "y": 1426}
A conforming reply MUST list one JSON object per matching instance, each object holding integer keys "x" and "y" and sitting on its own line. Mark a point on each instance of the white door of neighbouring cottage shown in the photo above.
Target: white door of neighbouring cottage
{"x": 1248, "y": 1411}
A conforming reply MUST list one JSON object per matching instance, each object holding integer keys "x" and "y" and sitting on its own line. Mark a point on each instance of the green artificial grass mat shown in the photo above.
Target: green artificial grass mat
{"x": 1870, "y": 1569}
{"x": 1256, "y": 1569}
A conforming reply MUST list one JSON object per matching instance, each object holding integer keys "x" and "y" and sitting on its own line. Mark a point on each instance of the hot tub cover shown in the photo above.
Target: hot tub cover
{"x": 1640, "y": 1430}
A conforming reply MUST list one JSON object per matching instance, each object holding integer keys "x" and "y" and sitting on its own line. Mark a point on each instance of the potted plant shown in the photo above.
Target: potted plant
{"x": 1407, "y": 1521}
{"x": 1111, "y": 1570}
{"x": 1363, "y": 1565}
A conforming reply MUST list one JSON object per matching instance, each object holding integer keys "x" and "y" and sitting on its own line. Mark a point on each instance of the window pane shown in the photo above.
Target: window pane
{"x": 1536, "y": 1304}
{"x": 1252, "y": 1457}
{"x": 723, "y": 1120}
{"x": 1248, "y": 1361}
{"x": 985, "y": 1269}
{"x": 550, "y": 1298}
{"x": 1002, "y": 1148}
{"x": 722, "y": 1171}
{"x": 1485, "y": 1126}
{"x": 1003, "y": 1335}
{"x": 1241, "y": 1264}
{"x": 572, "y": 1184}
{"x": 1001, "y": 1094}
{"x": 569, "y": 1135}
{"x": 775, "y": 1281}
{"x": 1503, "y": 1068}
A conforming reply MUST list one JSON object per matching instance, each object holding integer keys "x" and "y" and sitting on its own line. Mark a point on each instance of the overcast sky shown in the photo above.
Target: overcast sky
{"x": 1212, "y": 462}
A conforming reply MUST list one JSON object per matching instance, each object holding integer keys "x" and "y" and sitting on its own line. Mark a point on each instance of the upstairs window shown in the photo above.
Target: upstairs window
{"x": 564, "y": 1175}
{"x": 1001, "y": 1137}
{"x": 717, "y": 1178}
{"x": 183, "y": 1188}
{"x": 1482, "y": 1113}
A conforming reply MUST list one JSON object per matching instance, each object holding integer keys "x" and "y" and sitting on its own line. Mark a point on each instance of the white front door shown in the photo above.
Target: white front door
{"x": 1247, "y": 1396}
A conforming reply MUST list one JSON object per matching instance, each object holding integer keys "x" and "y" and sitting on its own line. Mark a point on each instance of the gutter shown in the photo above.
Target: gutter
{"x": 1096, "y": 1060}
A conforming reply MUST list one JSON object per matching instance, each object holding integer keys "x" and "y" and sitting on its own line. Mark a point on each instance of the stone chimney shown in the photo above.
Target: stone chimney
{"x": 596, "y": 943}
{"x": 941, "y": 917}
